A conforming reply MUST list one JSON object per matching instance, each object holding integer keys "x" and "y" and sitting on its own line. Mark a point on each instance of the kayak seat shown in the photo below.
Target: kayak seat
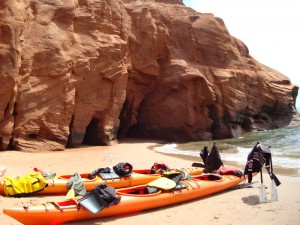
{"x": 92, "y": 202}
{"x": 140, "y": 190}
{"x": 150, "y": 190}
{"x": 109, "y": 176}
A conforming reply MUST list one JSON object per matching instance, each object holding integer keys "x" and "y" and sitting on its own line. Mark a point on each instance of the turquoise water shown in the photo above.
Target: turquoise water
{"x": 284, "y": 142}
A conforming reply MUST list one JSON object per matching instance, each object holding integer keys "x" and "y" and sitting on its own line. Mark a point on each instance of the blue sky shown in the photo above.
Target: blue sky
{"x": 270, "y": 29}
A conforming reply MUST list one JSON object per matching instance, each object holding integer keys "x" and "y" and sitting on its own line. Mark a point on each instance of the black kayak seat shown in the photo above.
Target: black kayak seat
{"x": 92, "y": 202}
{"x": 109, "y": 176}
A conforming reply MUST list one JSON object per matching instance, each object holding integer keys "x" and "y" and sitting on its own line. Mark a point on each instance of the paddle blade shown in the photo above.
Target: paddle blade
{"x": 262, "y": 194}
{"x": 274, "y": 195}
{"x": 277, "y": 182}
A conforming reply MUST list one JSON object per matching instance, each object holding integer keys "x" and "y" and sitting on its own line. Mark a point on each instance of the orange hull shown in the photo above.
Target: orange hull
{"x": 58, "y": 185}
{"x": 61, "y": 212}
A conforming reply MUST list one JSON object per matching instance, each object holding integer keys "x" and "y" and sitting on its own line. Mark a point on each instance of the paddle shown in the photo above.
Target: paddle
{"x": 262, "y": 190}
{"x": 274, "y": 194}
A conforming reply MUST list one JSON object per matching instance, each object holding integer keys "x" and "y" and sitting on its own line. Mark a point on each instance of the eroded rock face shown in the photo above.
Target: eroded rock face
{"x": 91, "y": 71}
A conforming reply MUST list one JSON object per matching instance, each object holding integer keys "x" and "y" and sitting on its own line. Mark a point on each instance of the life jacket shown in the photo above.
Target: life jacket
{"x": 159, "y": 166}
{"x": 229, "y": 170}
{"x": 108, "y": 194}
{"x": 24, "y": 185}
{"x": 260, "y": 155}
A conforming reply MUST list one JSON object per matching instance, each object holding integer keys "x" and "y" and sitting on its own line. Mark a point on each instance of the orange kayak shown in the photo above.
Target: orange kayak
{"x": 132, "y": 199}
{"x": 58, "y": 184}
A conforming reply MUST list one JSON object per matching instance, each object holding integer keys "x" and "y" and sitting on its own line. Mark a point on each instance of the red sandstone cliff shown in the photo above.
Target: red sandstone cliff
{"x": 90, "y": 71}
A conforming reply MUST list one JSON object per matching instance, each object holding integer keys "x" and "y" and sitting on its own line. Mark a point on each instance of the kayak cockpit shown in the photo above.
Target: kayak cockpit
{"x": 141, "y": 190}
{"x": 68, "y": 176}
{"x": 143, "y": 171}
{"x": 207, "y": 177}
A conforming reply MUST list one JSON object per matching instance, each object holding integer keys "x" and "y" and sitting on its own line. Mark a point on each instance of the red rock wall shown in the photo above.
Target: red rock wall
{"x": 91, "y": 71}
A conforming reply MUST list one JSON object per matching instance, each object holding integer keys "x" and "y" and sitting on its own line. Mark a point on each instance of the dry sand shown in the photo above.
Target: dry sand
{"x": 235, "y": 206}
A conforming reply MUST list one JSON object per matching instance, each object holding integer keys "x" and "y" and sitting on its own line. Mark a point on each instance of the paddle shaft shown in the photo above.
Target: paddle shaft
{"x": 274, "y": 196}
{"x": 260, "y": 166}
{"x": 262, "y": 192}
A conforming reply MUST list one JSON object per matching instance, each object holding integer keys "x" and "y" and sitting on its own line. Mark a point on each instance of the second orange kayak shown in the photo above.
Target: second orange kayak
{"x": 58, "y": 184}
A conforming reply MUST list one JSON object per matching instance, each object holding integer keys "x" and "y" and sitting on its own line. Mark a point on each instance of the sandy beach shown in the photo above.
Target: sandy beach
{"x": 235, "y": 206}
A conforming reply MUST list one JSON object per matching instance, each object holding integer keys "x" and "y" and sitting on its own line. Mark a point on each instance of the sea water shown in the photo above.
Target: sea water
{"x": 284, "y": 142}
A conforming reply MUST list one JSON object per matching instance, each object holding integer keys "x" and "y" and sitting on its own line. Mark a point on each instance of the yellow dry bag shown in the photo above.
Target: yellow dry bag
{"x": 24, "y": 185}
